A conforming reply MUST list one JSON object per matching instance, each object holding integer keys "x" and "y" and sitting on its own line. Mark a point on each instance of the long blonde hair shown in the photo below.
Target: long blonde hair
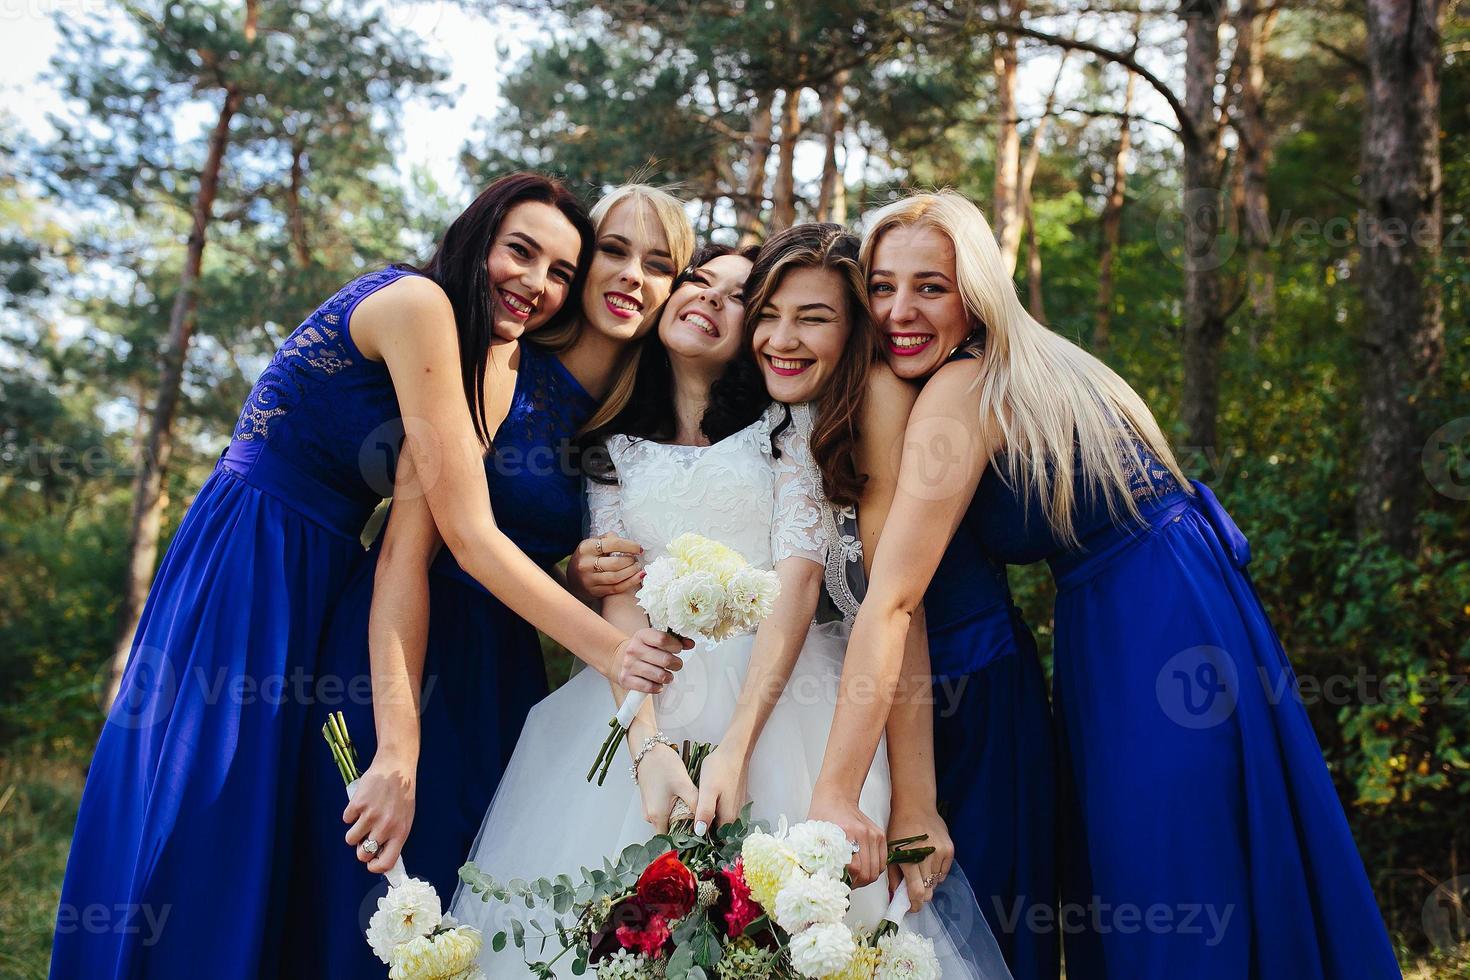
{"x": 668, "y": 212}
{"x": 1055, "y": 404}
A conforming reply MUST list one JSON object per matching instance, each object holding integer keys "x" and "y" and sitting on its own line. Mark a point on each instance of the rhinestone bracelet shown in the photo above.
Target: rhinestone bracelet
{"x": 657, "y": 738}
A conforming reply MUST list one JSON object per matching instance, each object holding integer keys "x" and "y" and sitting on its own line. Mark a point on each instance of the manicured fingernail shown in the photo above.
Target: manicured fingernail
{"x": 699, "y": 828}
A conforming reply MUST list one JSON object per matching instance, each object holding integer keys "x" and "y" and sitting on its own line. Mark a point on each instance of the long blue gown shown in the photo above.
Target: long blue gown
{"x": 483, "y": 671}
{"x": 994, "y": 751}
{"x": 1201, "y": 834}
{"x": 182, "y": 847}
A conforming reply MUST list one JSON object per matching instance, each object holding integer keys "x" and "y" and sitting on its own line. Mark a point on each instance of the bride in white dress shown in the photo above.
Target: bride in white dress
{"x": 765, "y": 699}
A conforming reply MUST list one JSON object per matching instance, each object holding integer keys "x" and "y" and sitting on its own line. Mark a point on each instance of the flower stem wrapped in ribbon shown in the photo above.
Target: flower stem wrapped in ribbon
{"x": 409, "y": 931}
{"x": 699, "y": 590}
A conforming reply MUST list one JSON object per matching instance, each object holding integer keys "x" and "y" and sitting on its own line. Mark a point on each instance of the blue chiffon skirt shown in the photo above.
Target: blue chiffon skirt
{"x": 996, "y": 765}
{"x": 1202, "y": 834}
{"x": 181, "y": 856}
{"x": 483, "y": 672}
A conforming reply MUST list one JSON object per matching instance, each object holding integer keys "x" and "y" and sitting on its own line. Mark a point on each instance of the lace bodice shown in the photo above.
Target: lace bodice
{"x": 735, "y": 491}
{"x": 323, "y": 405}
{"x": 535, "y": 486}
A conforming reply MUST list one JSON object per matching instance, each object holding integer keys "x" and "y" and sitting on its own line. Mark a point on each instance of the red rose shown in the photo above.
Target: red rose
{"x": 667, "y": 887}
{"x": 736, "y": 905}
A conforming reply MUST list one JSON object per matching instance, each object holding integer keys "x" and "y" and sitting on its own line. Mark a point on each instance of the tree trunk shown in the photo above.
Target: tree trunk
{"x": 1112, "y": 224}
{"x": 1204, "y": 320}
{"x": 146, "y": 515}
{"x": 1033, "y": 267}
{"x": 748, "y": 208}
{"x": 1005, "y": 217}
{"x": 1403, "y": 327}
{"x": 1253, "y": 159}
{"x": 832, "y": 199}
{"x": 293, "y": 200}
{"x": 783, "y": 202}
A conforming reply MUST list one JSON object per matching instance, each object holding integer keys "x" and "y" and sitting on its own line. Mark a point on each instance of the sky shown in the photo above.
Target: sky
{"x": 432, "y": 134}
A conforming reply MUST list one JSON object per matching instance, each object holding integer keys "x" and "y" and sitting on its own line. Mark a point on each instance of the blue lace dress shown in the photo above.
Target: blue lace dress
{"x": 179, "y": 861}
{"x": 1202, "y": 836}
{"x": 994, "y": 752}
{"x": 483, "y": 671}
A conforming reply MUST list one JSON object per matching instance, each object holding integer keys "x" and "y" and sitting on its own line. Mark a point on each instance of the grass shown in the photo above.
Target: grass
{"x": 38, "y": 808}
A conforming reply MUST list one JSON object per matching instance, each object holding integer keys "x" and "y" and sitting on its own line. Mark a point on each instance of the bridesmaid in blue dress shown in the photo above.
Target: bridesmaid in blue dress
{"x": 993, "y": 776}
{"x": 477, "y": 670}
{"x": 1201, "y": 834}
{"x": 183, "y": 843}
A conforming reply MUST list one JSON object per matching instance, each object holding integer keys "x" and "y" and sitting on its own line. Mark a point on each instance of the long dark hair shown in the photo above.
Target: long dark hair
{"x": 736, "y": 399}
{"x": 458, "y": 267}
{"x": 837, "y": 410}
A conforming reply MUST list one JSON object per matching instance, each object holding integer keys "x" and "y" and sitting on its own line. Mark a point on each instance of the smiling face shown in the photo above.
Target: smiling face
{"x": 703, "y": 318}
{"x": 801, "y": 332}
{"x": 632, "y": 270}
{"x": 531, "y": 265}
{"x": 913, "y": 290}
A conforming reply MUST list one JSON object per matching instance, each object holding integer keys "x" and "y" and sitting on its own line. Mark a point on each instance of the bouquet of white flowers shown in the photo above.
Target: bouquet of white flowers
{"x": 699, "y": 590}
{"x": 799, "y": 876}
{"x": 409, "y": 931}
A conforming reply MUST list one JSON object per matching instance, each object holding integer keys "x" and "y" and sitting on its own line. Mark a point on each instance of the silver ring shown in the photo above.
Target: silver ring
{"x": 371, "y": 847}
{"x": 680, "y": 811}
{"x": 929, "y": 880}
{"x": 855, "y": 846}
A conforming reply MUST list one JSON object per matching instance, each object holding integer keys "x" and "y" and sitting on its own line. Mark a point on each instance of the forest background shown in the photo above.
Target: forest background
{"x": 1254, "y": 210}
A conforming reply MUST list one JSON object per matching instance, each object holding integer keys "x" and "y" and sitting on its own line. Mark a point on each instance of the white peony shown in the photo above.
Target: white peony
{"x": 906, "y": 956}
{"x": 408, "y": 911}
{"x": 821, "y": 847}
{"x": 446, "y": 955}
{"x": 805, "y": 901}
{"x": 694, "y": 604}
{"x": 823, "y": 949}
{"x": 653, "y": 594}
{"x": 753, "y": 593}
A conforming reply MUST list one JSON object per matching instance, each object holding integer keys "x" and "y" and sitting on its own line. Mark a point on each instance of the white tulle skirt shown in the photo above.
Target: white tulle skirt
{"x": 546, "y": 819}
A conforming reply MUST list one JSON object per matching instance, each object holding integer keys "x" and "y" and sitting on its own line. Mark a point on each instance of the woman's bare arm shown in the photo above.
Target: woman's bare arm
{"x": 944, "y": 454}
{"x": 410, "y": 326}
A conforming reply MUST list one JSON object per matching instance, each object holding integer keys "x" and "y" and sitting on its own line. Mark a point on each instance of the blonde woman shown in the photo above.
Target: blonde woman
{"x": 451, "y": 671}
{"x": 1201, "y": 834}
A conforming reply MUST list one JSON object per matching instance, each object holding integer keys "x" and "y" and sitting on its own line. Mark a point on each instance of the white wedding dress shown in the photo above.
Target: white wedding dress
{"x": 546, "y": 819}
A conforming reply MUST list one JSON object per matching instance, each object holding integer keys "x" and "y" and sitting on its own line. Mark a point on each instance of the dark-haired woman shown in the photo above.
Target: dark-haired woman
{"x": 413, "y": 623}
{"x": 182, "y": 844}
{"x": 975, "y": 741}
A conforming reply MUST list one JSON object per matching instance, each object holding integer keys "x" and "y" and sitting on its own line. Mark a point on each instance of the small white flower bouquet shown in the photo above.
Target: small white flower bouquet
{"x": 409, "y": 931}
{"x": 799, "y": 875}
{"x": 700, "y": 590}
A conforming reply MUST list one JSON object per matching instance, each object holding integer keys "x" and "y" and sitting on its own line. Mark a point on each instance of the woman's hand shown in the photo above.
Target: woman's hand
{"x": 381, "y": 809}
{"x": 604, "y": 566}
{"x": 722, "y": 788}
{"x": 910, "y": 821}
{"x": 662, "y": 779}
{"x": 648, "y": 660}
{"x": 872, "y": 854}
